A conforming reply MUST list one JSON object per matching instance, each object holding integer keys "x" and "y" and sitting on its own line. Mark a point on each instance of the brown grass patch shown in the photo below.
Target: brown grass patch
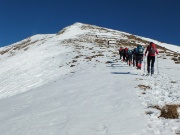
{"x": 169, "y": 54}
{"x": 73, "y": 61}
{"x": 161, "y": 51}
{"x": 5, "y": 51}
{"x": 144, "y": 87}
{"x": 91, "y": 48}
{"x": 72, "y": 65}
{"x": 177, "y": 62}
{"x": 101, "y": 41}
{"x": 173, "y": 82}
{"x": 174, "y": 58}
{"x": 25, "y": 49}
{"x": 168, "y": 111}
{"x": 62, "y": 31}
{"x": 79, "y": 56}
{"x": 89, "y": 58}
{"x": 178, "y": 132}
{"x": 115, "y": 53}
{"x": 143, "y": 93}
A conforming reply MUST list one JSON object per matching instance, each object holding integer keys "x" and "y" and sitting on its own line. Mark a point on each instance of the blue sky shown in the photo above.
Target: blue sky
{"x": 156, "y": 19}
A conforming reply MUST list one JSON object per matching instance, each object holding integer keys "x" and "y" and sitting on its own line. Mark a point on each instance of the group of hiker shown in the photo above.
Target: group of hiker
{"x": 135, "y": 56}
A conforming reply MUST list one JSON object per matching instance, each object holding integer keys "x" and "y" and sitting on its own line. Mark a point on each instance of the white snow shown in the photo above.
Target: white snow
{"x": 48, "y": 90}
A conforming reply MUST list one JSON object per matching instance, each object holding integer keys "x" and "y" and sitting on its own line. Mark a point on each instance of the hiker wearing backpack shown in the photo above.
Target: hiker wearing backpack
{"x": 134, "y": 56}
{"x": 129, "y": 57}
{"x": 125, "y": 54}
{"x": 152, "y": 51}
{"x": 121, "y": 52}
{"x": 139, "y": 56}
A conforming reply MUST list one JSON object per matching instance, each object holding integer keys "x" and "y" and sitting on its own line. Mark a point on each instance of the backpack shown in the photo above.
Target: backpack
{"x": 122, "y": 51}
{"x": 140, "y": 49}
{"x": 125, "y": 50}
{"x": 129, "y": 52}
{"x": 152, "y": 49}
{"x": 134, "y": 51}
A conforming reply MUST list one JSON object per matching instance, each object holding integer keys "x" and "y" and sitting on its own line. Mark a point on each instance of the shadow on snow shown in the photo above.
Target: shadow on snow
{"x": 124, "y": 73}
{"x": 117, "y": 65}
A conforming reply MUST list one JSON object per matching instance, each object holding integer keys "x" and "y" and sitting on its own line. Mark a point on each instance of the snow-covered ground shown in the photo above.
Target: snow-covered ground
{"x": 54, "y": 88}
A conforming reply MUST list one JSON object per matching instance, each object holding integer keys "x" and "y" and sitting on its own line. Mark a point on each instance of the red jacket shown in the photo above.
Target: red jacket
{"x": 126, "y": 49}
{"x": 148, "y": 50}
{"x": 120, "y": 49}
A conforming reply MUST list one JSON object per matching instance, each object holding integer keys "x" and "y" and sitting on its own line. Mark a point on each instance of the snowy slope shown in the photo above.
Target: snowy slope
{"x": 73, "y": 83}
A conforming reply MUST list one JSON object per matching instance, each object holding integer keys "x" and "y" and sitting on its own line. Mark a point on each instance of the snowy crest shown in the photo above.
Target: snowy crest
{"x": 41, "y": 58}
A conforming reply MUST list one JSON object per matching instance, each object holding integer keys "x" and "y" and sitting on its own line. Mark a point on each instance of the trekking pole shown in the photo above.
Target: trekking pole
{"x": 157, "y": 64}
{"x": 144, "y": 60}
{"x": 144, "y": 64}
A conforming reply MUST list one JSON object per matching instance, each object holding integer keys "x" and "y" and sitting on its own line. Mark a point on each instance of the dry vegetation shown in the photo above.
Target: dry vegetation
{"x": 62, "y": 31}
{"x": 23, "y": 45}
{"x": 178, "y": 133}
{"x": 144, "y": 87}
{"x": 176, "y": 58}
{"x": 103, "y": 41}
{"x": 168, "y": 111}
{"x": 5, "y": 51}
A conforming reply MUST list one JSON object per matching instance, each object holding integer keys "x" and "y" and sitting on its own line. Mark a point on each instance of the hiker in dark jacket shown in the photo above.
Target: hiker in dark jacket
{"x": 152, "y": 51}
{"x": 134, "y": 56}
{"x": 129, "y": 57}
{"x": 139, "y": 56}
{"x": 121, "y": 52}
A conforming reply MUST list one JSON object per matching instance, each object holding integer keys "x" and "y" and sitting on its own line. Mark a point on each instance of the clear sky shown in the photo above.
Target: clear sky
{"x": 156, "y": 19}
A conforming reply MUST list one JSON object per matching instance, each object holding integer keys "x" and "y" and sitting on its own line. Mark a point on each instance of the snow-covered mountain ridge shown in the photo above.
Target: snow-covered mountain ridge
{"x": 39, "y": 56}
{"x": 33, "y": 55}
{"x": 79, "y": 32}
{"x": 73, "y": 83}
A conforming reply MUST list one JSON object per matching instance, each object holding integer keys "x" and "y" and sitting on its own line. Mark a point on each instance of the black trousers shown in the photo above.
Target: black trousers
{"x": 150, "y": 64}
{"x": 139, "y": 59}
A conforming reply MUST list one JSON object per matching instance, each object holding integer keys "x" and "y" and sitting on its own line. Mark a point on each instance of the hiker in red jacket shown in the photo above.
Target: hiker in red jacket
{"x": 152, "y": 51}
